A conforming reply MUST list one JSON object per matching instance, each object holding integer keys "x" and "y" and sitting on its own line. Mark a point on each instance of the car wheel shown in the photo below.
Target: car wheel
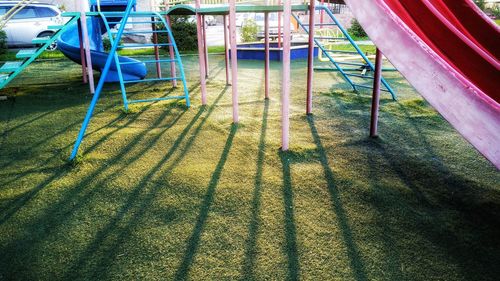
{"x": 51, "y": 47}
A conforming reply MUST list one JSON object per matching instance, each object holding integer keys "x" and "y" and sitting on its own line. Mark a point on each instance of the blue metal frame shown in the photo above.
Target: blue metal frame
{"x": 113, "y": 55}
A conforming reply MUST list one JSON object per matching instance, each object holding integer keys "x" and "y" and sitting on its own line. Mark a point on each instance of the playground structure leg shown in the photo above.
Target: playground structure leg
{"x": 285, "y": 95}
{"x": 266, "y": 59}
{"x": 234, "y": 58}
{"x": 203, "y": 82}
{"x": 376, "y": 95}
{"x": 157, "y": 50}
{"x": 226, "y": 50}
{"x": 322, "y": 15}
{"x": 280, "y": 14}
{"x": 82, "y": 52}
{"x": 310, "y": 56}
{"x": 205, "y": 47}
{"x": 172, "y": 56}
{"x": 86, "y": 45}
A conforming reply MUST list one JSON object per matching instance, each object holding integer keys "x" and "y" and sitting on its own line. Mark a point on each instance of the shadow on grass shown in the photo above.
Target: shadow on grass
{"x": 355, "y": 259}
{"x": 50, "y": 220}
{"x": 108, "y": 249}
{"x": 290, "y": 229}
{"x": 194, "y": 240}
{"x": 446, "y": 198}
{"x": 253, "y": 227}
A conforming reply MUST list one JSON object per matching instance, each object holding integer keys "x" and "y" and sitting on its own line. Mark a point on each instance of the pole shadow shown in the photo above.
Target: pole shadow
{"x": 253, "y": 227}
{"x": 194, "y": 240}
{"x": 289, "y": 219}
{"x": 353, "y": 252}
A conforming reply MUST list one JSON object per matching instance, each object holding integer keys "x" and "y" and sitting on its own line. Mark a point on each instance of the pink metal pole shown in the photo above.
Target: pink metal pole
{"x": 310, "y": 57}
{"x": 226, "y": 50}
{"x": 376, "y": 95}
{"x": 322, "y": 12}
{"x": 172, "y": 56}
{"x": 279, "y": 29}
{"x": 234, "y": 58}
{"x": 266, "y": 63}
{"x": 285, "y": 95}
{"x": 157, "y": 50}
{"x": 203, "y": 83}
{"x": 86, "y": 46}
{"x": 205, "y": 46}
{"x": 82, "y": 52}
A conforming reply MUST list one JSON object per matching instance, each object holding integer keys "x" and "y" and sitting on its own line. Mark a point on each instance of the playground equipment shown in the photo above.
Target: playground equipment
{"x": 109, "y": 13}
{"x": 332, "y": 32}
{"x": 11, "y": 69}
{"x": 459, "y": 74}
{"x": 449, "y": 51}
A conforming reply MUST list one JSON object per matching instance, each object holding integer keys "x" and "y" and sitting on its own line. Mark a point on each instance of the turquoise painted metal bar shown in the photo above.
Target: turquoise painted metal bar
{"x": 152, "y": 80}
{"x": 326, "y": 53}
{"x": 346, "y": 34}
{"x": 149, "y": 61}
{"x": 157, "y": 99}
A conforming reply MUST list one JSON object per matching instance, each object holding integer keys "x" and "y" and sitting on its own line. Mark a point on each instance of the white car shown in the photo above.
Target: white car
{"x": 30, "y": 22}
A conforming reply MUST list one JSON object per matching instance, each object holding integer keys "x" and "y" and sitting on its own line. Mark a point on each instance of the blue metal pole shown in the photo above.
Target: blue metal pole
{"x": 98, "y": 91}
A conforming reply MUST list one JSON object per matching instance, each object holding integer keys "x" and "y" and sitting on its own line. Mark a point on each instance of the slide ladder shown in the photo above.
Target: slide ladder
{"x": 354, "y": 66}
{"x": 121, "y": 19}
{"x": 161, "y": 28}
{"x": 10, "y": 69}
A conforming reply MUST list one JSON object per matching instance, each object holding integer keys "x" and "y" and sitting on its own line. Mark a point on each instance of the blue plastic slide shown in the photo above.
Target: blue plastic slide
{"x": 69, "y": 45}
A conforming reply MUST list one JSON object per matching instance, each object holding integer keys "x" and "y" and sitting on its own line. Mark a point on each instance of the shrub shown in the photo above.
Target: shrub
{"x": 107, "y": 43}
{"x": 249, "y": 31}
{"x": 481, "y": 4}
{"x": 3, "y": 42}
{"x": 184, "y": 32}
{"x": 495, "y": 11}
{"x": 356, "y": 29}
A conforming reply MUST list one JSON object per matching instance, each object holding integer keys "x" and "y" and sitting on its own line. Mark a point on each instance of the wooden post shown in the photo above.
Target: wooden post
{"x": 226, "y": 49}
{"x": 156, "y": 48}
{"x": 310, "y": 57}
{"x": 234, "y": 58}
{"x": 205, "y": 46}
{"x": 285, "y": 95}
{"x": 266, "y": 63}
{"x": 201, "y": 60}
{"x": 172, "y": 55}
{"x": 86, "y": 46}
{"x": 376, "y": 95}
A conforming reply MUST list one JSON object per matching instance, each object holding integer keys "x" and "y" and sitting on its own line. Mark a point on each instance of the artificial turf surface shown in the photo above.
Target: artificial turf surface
{"x": 165, "y": 192}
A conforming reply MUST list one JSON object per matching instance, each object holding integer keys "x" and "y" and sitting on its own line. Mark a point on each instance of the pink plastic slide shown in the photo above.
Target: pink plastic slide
{"x": 449, "y": 51}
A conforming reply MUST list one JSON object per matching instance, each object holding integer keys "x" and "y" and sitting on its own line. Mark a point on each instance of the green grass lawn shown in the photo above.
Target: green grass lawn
{"x": 165, "y": 192}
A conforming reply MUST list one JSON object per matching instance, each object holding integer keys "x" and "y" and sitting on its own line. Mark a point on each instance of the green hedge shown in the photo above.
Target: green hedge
{"x": 184, "y": 32}
{"x": 3, "y": 42}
